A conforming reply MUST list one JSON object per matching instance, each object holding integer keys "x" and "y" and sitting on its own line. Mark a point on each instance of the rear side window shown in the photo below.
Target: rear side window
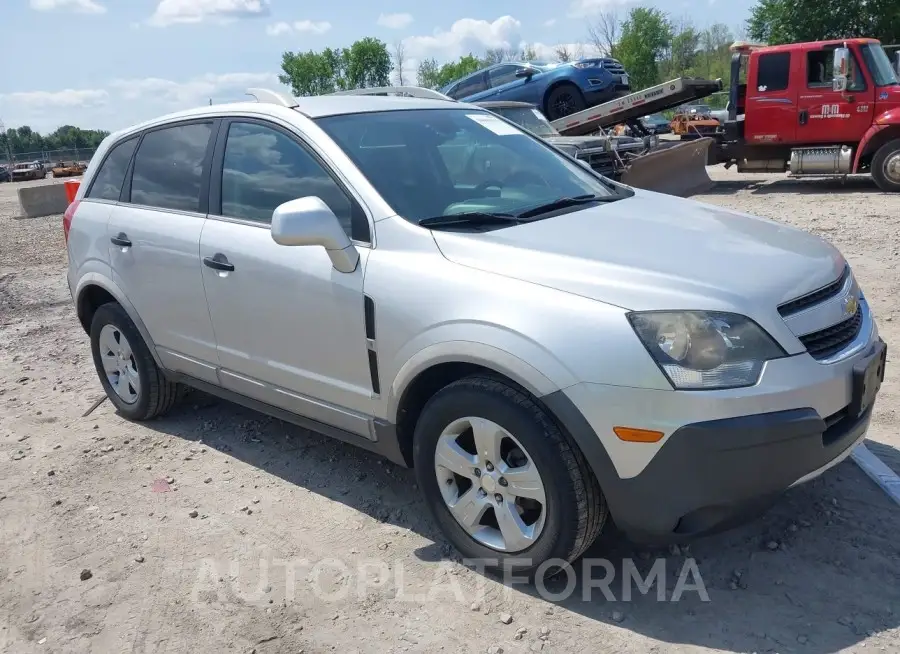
{"x": 107, "y": 184}
{"x": 168, "y": 167}
{"x": 470, "y": 86}
{"x": 773, "y": 72}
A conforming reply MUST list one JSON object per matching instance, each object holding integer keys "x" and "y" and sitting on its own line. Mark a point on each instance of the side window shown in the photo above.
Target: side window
{"x": 263, "y": 168}
{"x": 469, "y": 86}
{"x": 820, "y": 70}
{"x": 502, "y": 75}
{"x": 107, "y": 185}
{"x": 168, "y": 167}
{"x": 773, "y": 72}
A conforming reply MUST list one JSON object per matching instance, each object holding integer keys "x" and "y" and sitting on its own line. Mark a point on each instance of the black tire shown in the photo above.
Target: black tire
{"x": 564, "y": 100}
{"x": 156, "y": 394}
{"x": 884, "y": 153}
{"x": 575, "y": 509}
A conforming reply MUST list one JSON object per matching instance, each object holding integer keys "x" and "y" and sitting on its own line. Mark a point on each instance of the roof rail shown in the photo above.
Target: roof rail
{"x": 273, "y": 97}
{"x": 412, "y": 91}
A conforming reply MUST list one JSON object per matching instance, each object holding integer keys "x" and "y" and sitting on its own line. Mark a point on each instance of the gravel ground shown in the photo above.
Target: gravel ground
{"x": 173, "y": 536}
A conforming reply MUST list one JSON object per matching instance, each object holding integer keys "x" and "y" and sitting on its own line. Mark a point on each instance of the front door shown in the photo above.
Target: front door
{"x": 289, "y": 327}
{"x": 154, "y": 234}
{"x": 828, "y": 116}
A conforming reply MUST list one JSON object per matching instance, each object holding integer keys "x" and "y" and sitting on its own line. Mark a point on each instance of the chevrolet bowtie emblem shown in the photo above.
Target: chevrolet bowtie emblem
{"x": 851, "y": 304}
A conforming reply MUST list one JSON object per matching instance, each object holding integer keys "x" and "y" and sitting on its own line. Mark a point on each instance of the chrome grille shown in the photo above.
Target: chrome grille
{"x": 817, "y": 296}
{"x": 614, "y": 67}
{"x": 831, "y": 340}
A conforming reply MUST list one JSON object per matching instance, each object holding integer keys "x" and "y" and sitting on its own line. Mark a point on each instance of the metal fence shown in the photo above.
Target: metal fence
{"x": 53, "y": 156}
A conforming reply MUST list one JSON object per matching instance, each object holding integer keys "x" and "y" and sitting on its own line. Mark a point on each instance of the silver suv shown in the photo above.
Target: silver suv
{"x": 421, "y": 278}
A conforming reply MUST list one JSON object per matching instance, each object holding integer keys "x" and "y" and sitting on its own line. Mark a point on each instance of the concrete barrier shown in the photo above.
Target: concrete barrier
{"x": 43, "y": 200}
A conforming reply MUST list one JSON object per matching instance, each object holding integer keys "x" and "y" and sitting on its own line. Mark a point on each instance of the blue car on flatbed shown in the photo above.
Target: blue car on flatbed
{"x": 558, "y": 89}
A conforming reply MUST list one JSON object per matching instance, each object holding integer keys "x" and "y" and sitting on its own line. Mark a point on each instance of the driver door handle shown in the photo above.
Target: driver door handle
{"x": 218, "y": 262}
{"x": 121, "y": 239}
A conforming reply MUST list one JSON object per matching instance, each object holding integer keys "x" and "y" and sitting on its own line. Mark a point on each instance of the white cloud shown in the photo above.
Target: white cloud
{"x": 550, "y": 22}
{"x": 300, "y": 27}
{"x": 195, "y": 91}
{"x": 169, "y": 12}
{"x": 57, "y": 99}
{"x": 79, "y": 6}
{"x": 465, "y": 36}
{"x": 395, "y": 21}
{"x": 586, "y": 8}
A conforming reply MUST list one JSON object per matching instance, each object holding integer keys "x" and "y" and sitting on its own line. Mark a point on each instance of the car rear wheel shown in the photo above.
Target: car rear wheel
{"x": 129, "y": 375}
{"x": 886, "y": 167}
{"x": 564, "y": 100}
{"x": 506, "y": 486}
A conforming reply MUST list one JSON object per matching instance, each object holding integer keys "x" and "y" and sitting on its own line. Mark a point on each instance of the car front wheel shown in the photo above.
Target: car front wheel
{"x": 506, "y": 486}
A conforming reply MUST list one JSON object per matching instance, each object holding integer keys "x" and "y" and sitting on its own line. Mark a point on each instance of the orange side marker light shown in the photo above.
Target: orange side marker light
{"x": 635, "y": 435}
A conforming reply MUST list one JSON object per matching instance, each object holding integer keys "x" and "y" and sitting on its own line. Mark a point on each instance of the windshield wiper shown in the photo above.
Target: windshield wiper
{"x": 471, "y": 218}
{"x": 563, "y": 203}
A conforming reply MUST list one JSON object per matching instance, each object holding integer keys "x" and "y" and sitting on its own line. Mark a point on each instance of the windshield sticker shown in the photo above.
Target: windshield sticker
{"x": 494, "y": 124}
{"x": 539, "y": 115}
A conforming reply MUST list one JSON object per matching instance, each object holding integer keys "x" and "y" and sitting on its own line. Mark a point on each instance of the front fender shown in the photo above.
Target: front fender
{"x": 889, "y": 119}
{"x": 491, "y": 346}
{"x": 101, "y": 276}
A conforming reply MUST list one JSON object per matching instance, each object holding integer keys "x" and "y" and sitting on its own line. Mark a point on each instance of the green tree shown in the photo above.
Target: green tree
{"x": 645, "y": 38}
{"x": 366, "y": 63}
{"x": 433, "y": 76}
{"x": 791, "y": 21}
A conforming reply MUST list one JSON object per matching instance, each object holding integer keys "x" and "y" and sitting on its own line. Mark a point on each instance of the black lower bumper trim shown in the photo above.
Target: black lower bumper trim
{"x": 712, "y": 475}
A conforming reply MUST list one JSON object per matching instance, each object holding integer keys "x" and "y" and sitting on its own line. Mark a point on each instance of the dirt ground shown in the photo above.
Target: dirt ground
{"x": 99, "y": 553}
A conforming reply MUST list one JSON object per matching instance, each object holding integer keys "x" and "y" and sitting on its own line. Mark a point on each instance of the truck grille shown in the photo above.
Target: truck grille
{"x": 817, "y": 296}
{"x": 831, "y": 340}
{"x": 603, "y": 162}
{"x": 614, "y": 67}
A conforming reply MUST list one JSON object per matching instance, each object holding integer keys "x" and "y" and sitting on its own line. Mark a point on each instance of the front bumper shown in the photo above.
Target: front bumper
{"x": 733, "y": 464}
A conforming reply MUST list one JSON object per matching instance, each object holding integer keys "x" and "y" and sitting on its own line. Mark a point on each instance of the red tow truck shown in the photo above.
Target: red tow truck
{"x": 820, "y": 108}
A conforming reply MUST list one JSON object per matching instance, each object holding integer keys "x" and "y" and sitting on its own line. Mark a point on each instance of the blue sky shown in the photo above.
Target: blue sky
{"x": 109, "y": 63}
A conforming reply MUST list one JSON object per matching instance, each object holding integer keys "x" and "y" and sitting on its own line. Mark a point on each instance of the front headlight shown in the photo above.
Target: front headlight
{"x": 705, "y": 350}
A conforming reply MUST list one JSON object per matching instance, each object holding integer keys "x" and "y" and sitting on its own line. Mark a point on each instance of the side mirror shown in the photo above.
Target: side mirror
{"x": 309, "y": 221}
{"x": 841, "y": 68}
{"x": 525, "y": 72}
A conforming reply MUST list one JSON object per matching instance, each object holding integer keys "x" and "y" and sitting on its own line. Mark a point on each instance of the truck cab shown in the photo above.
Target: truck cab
{"x": 818, "y": 108}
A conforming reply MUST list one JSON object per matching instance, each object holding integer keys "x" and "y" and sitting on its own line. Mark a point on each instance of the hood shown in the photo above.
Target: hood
{"x": 654, "y": 251}
{"x": 887, "y": 105}
{"x": 580, "y": 142}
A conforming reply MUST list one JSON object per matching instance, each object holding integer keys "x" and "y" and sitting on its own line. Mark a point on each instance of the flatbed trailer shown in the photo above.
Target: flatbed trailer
{"x": 629, "y": 108}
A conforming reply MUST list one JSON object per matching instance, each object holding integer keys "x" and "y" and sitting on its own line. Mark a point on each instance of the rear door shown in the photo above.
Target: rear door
{"x": 771, "y": 113}
{"x": 155, "y": 240}
{"x": 828, "y": 116}
{"x": 472, "y": 87}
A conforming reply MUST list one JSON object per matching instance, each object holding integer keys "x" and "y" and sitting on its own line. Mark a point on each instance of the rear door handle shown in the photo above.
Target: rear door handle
{"x": 218, "y": 262}
{"x": 121, "y": 240}
{"x": 804, "y": 117}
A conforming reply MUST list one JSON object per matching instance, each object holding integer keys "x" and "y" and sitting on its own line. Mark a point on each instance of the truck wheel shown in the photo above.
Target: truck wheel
{"x": 886, "y": 167}
{"x": 129, "y": 375}
{"x": 506, "y": 486}
{"x": 564, "y": 100}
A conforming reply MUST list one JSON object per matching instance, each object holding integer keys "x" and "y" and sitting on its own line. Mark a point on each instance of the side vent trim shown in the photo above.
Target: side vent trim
{"x": 371, "y": 345}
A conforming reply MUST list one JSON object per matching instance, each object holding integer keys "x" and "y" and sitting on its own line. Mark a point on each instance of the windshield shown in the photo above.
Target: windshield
{"x": 879, "y": 65}
{"x": 437, "y": 162}
{"x": 527, "y": 117}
